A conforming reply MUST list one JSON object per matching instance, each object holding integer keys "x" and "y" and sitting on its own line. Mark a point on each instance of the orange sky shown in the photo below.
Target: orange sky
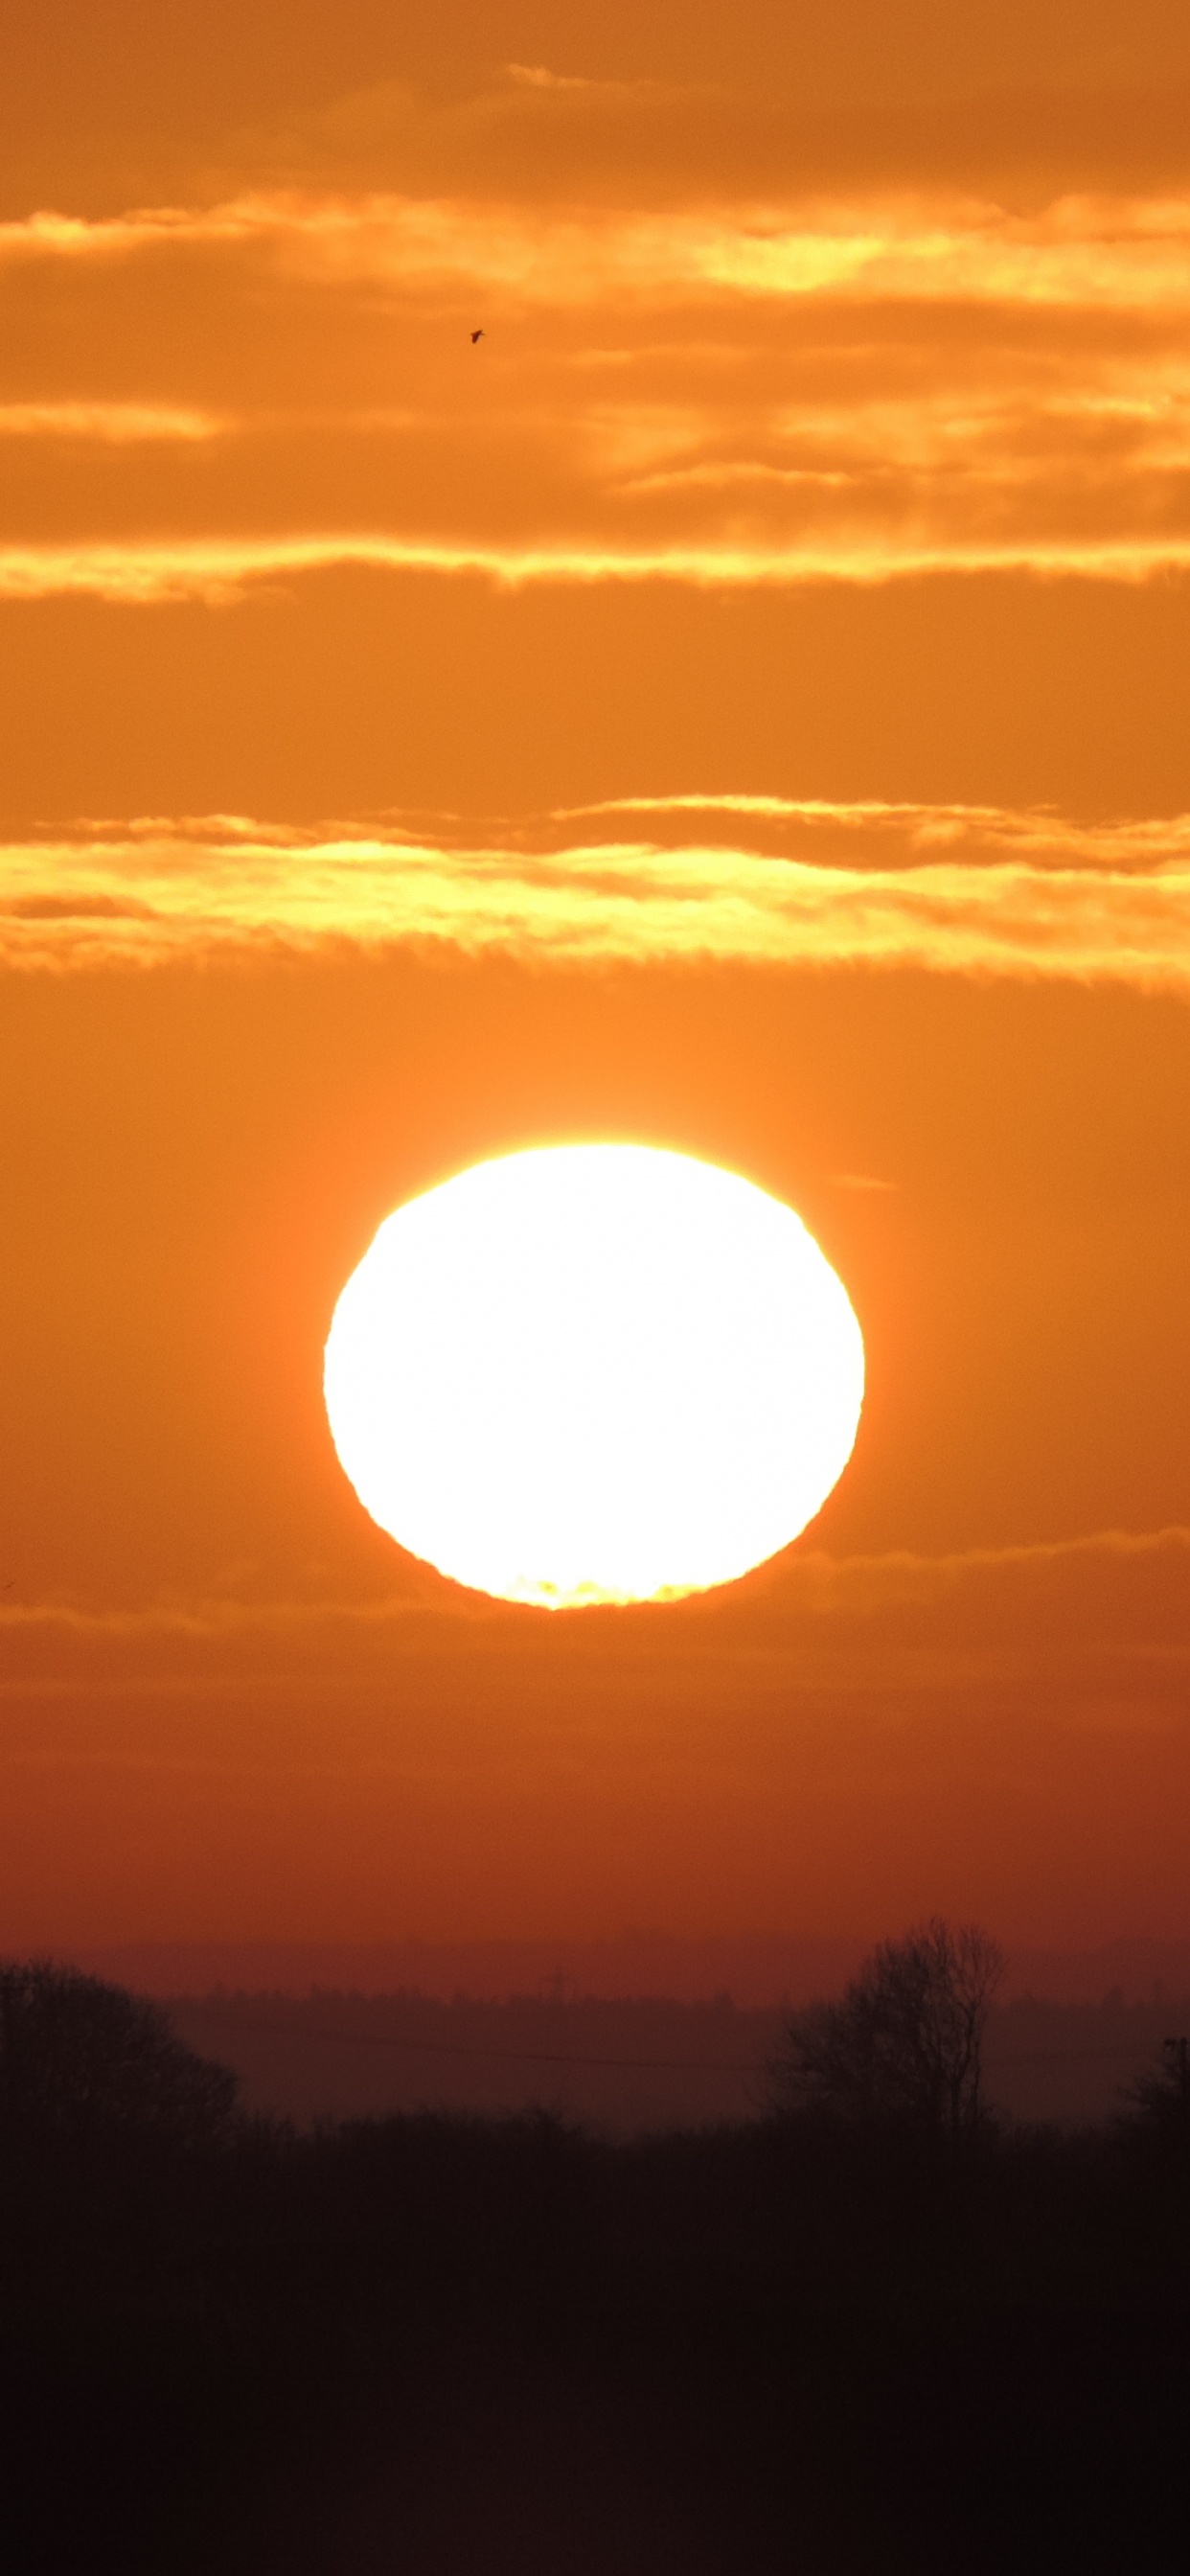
{"x": 741, "y": 704}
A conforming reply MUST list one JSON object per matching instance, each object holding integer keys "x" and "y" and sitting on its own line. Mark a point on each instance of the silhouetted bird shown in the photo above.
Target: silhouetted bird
{"x": 481, "y": 334}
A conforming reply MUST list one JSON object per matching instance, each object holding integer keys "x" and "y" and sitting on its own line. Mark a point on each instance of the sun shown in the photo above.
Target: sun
{"x": 594, "y": 1373}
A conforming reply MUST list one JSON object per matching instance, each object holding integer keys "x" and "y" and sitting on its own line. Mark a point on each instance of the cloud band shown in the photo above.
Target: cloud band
{"x": 970, "y": 891}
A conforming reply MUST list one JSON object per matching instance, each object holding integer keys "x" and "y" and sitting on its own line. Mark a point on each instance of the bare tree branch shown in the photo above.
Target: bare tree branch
{"x": 905, "y": 2040}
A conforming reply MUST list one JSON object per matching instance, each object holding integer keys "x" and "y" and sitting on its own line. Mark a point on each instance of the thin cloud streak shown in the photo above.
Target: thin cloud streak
{"x": 808, "y": 1581}
{"x": 219, "y": 569}
{"x": 116, "y": 424}
{"x": 951, "y": 890}
{"x": 1085, "y": 1636}
{"x": 1038, "y": 831}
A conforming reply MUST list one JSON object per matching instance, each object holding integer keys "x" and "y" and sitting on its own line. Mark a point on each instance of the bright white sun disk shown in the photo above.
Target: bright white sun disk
{"x": 594, "y": 1373}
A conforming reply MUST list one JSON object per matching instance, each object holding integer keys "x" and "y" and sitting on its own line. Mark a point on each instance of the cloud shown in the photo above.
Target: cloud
{"x": 816, "y": 389}
{"x": 666, "y": 107}
{"x": 535, "y": 76}
{"x": 950, "y": 889}
{"x": 1085, "y": 253}
{"x": 220, "y": 569}
{"x": 1000, "y": 1733}
{"x": 118, "y": 424}
{"x": 1110, "y": 1603}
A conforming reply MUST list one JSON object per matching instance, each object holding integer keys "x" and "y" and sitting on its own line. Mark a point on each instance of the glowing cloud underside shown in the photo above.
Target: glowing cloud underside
{"x": 594, "y": 1373}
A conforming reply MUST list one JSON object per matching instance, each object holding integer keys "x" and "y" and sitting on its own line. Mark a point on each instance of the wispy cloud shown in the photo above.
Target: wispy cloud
{"x": 220, "y": 569}
{"x": 805, "y": 1590}
{"x": 951, "y": 889}
{"x": 536, "y": 76}
{"x": 117, "y": 424}
{"x": 853, "y": 389}
{"x": 1102, "y": 253}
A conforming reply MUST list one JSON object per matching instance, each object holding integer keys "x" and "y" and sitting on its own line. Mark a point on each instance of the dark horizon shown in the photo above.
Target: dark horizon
{"x": 866, "y": 2334}
{"x": 755, "y": 1969}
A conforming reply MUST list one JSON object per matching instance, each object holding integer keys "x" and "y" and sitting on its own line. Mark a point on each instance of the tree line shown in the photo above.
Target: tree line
{"x": 871, "y": 2330}
{"x": 903, "y": 2046}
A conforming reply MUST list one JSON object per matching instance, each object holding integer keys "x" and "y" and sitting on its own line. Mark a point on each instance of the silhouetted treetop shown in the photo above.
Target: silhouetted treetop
{"x": 76, "y": 2054}
{"x": 905, "y": 2039}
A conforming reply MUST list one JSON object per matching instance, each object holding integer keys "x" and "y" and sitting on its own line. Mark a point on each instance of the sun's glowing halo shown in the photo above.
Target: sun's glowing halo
{"x": 594, "y": 1373}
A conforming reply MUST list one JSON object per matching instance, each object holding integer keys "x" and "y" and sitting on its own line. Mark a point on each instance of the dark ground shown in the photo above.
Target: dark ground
{"x": 450, "y": 2348}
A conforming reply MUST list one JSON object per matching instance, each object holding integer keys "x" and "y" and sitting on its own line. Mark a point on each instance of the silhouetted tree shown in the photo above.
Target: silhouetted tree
{"x": 1162, "y": 2096}
{"x": 77, "y": 2054}
{"x": 904, "y": 2041}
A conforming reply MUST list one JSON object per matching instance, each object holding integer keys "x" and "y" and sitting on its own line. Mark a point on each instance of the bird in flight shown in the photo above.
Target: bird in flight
{"x": 481, "y": 334}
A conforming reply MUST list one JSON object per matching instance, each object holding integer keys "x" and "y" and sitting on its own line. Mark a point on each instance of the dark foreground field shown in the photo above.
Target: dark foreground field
{"x": 433, "y": 2347}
